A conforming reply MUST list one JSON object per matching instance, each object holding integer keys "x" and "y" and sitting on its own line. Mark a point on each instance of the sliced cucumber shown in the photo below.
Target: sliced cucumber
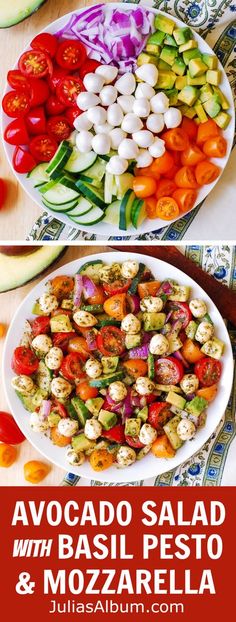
{"x": 123, "y": 183}
{"x": 93, "y": 194}
{"x": 112, "y": 214}
{"x": 138, "y": 213}
{"x": 59, "y": 194}
{"x": 80, "y": 161}
{"x": 125, "y": 210}
{"x": 60, "y": 158}
{"x": 82, "y": 207}
{"x": 92, "y": 269}
{"x": 95, "y": 173}
{"x": 64, "y": 207}
{"x": 108, "y": 187}
{"x": 38, "y": 174}
{"x": 94, "y": 215}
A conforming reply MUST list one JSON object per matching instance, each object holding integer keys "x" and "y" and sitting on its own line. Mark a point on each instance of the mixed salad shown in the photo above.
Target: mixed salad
{"x": 116, "y": 117}
{"x": 117, "y": 364}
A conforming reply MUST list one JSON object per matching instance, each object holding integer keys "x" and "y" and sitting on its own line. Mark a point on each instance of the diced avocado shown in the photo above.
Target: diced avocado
{"x": 143, "y": 59}
{"x": 43, "y": 377}
{"x": 189, "y": 54}
{"x": 143, "y": 452}
{"x": 190, "y": 45}
{"x": 179, "y": 66}
{"x": 176, "y": 400}
{"x": 196, "y": 406}
{"x": 168, "y": 387}
{"x": 172, "y": 95}
{"x": 213, "y": 76}
{"x": 157, "y": 38}
{"x": 168, "y": 54}
{"x": 109, "y": 364}
{"x": 212, "y": 106}
{"x": 200, "y": 112}
{"x": 188, "y": 95}
{"x": 196, "y": 81}
{"x": 132, "y": 426}
{"x": 210, "y": 60}
{"x": 27, "y": 401}
{"x": 222, "y": 120}
{"x": 53, "y": 419}
{"x": 38, "y": 398}
{"x": 180, "y": 82}
{"x": 153, "y": 320}
{"x": 152, "y": 48}
{"x": 175, "y": 343}
{"x": 188, "y": 111}
{"x": 182, "y": 35}
{"x": 132, "y": 341}
{"x": 107, "y": 419}
{"x": 162, "y": 66}
{"x": 60, "y": 324}
{"x": 170, "y": 430}
{"x": 214, "y": 348}
{"x": 82, "y": 411}
{"x": 94, "y": 405}
{"x": 222, "y": 99}
{"x": 206, "y": 93}
{"x": 165, "y": 24}
{"x": 196, "y": 67}
{"x": 166, "y": 79}
{"x": 67, "y": 303}
{"x": 36, "y": 310}
{"x": 143, "y": 414}
{"x": 181, "y": 293}
{"x": 102, "y": 444}
{"x": 82, "y": 443}
{"x": 191, "y": 329}
{"x": 207, "y": 318}
{"x": 169, "y": 40}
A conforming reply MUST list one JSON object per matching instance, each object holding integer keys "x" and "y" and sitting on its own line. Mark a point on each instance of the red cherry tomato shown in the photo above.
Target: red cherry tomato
{"x": 24, "y": 361}
{"x": 72, "y": 367}
{"x": 208, "y": 371}
{"x": 180, "y": 311}
{"x": 54, "y": 106}
{"x": 9, "y": 431}
{"x": 16, "y": 133}
{"x": 58, "y": 128}
{"x": 117, "y": 287}
{"x": 59, "y": 409}
{"x": 61, "y": 340}
{"x": 45, "y": 42}
{"x": 40, "y": 325}
{"x": 85, "y": 392}
{"x": 43, "y": 148}
{"x": 168, "y": 370}
{"x": 111, "y": 341}
{"x": 35, "y": 64}
{"x": 2, "y": 192}
{"x": 115, "y": 434}
{"x": 39, "y": 91}
{"x": 23, "y": 161}
{"x": 71, "y": 54}
{"x": 68, "y": 90}
{"x": 133, "y": 441}
{"x": 54, "y": 79}
{"x": 88, "y": 66}
{"x": 16, "y": 103}
{"x": 190, "y": 127}
{"x": 72, "y": 114}
{"x": 36, "y": 120}
{"x": 16, "y": 80}
{"x": 158, "y": 415}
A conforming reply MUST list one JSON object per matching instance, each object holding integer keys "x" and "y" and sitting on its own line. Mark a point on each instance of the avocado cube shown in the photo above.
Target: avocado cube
{"x": 188, "y": 95}
{"x": 132, "y": 341}
{"x": 171, "y": 432}
{"x": 190, "y": 45}
{"x": 162, "y": 66}
{"x": 60, "y": 324}
{"x": 180, "y": 293}
{"x": 94, "y": 405}
{"x": 176, "y": 400}
{"x": 182, "y": 35}
{"x": 187, "y": 111}
{"x": 36, "y": 310}
{"x": 168, "y": 54}
{"x": 191, "y": 329}
{"x": 143, "y": 414}
{"x": 199, "y": 81}
{"x": 222, "y": 99}
{"x": 144, "y": 59}
{"x": 172, "y": 95}
{"x": 210, "y": 60}
{"x": 107, "y": 419}
{"x": 212, "y": 106}
{"x": 53, "y": 419}
{"x": 189, "y": 54}
{"x": 196, "y": 406}
{"x": 200, "y": 112}
{"x": 153, "y": 320}
{"x": 175, "y": 343}
{"x": 180, "y": 82}
{"x": 156, "y": 38}
{"x": 214, "y": 348}
{"x": 222, "y": 120}
{"x": 213, "y": 76}
{"x": 165, "y": 24}
{"x": 132, "y": 426}
{"x": 179, "y": 66}
{"x": 196, "y": 67}
{"x": 82, "y": 443}
{"x": 169, "y": 40}
{"x": 152, "y": 48}
{"x": 109, "y": 364}
{"x": 67, "y": 303}
{"x": 206, "y": 92}
{"x": 166, "y": 79}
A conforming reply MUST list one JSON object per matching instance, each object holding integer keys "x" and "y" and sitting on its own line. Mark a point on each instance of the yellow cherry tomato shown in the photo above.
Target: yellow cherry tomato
{"x": 8, "y": 455}
{"x": 35, "y": 471}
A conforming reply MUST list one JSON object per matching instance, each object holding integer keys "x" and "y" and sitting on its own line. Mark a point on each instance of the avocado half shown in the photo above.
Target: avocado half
{"x": 17, "y": 270}
{"x": 14, "y": 11}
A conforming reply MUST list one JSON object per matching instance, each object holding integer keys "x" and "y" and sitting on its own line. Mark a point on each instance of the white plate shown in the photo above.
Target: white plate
{"x": 148, "y": 225}
{"x": 149, "y": 466}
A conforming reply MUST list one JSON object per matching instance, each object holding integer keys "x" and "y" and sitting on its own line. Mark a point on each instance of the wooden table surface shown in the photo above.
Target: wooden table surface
{"x": 9, "y": 302}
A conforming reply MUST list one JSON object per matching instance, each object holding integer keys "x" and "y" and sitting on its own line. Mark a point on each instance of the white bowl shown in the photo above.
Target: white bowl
{"x": 149, "y": 466}
{"x": 102, "y": 228}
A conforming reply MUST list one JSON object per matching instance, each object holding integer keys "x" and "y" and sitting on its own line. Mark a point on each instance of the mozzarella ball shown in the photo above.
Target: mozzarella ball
{"x": 126, "y": 84}
{"x": 92, "y": 429}
{"x": 173, "y": 117}
{"x": 108, "y": 72}
{"x": 155, "y": 123}
{"x": 128, "y": 149}
{"x": 23, "y": 384}
{"x": 101, "y": 144}
{"x": 38, "y": 422}
{"x": 117, "y": 391}
{"x": 104, "y": 128}
{"x": 53, "y": 358}
{"x": 141, "y": 107}
{"x": 68, "y": 427}
{"x": 48, "y": 303}
{"x": 125, "y": 456}
{"x": 86, "y": 100}
{"x": 147, "y": 434}
{"x": 82, "y": 122}
{"x": 126, "y": 102}
{"x": 144, "y": 90}
{"x": 131, "y": 123}
{"x": 143, "y": 138}
{"x": 189, "y": 383}
{"x": 205, "y": 331}
{"x": 186, "y": 429}
{"x": 61, "y": 388}
{"x": 84, "y": 318}
{"x": 129, "y": 268}
{"x": 115, "y": 115}
{"x": 42, "y": 344}
{"x": 144, "y": 385}
{"x": 148, "y": 73}
{"x": 116, "y": 136}
{"x": 151, "y": 304}
{"x": 159, "y": 103}
{"x": 84, "y": 141}
{"x": 97, "y": 115}
{"x": 93, "y": 82}
{"x": 117, "y": 165}
{"x": 74, "y": 458}
{"x": 108, "y": 95}
{"x": 159, "y": 344}
{"x": 131, "y": 324}
{"x": 144, "y": 159}
{"x": 198, "y": 307}
{"x": 93, "y": 368}
{"x": 157, "y": 148}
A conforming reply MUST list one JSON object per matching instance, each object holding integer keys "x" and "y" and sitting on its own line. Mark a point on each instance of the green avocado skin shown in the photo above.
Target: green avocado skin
{"x": 7, "y": 19}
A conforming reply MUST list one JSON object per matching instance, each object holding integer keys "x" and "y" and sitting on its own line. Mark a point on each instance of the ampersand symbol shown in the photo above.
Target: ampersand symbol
{"x": 24, "y": 585}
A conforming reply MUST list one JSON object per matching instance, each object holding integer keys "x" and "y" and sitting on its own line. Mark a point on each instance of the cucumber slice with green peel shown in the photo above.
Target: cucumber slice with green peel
{"x": 91, "y": 269}
{"x": 125, "y": 209}
{"x": 104, "y": 381}
{"x": 82, "y": 207}
{"x": 59, "y": 194}
{"x": 94, "y": 215}
{"x": 68, "y": 181}
{"x": 95, "y": 173}
{"x": 108, "y": 187}
{"x": 78, "y": 162}
{"x": 60, "y": 158}
{"x": 47, "y": 186}
{"x": 138, "y": 213}
{"x": 112, "y": 214}
{"x": 38, "y": 175}
{"x": 64, "y": 207}
{"x": 93, "y": 194}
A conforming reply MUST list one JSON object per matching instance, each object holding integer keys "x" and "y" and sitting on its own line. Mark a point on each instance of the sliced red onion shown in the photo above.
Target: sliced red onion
{"x": 141, "y": 352}
{"x": 168, "y": 317}
{"x": 78, "y": 290}
{"x": 166, "y": 288}
{"x": 181, "y": 358}
{"x": 91, "y": 339}
{"x": 190, "y": 396}
{"x": 135, "y": 399}
{"x": 89, "y": 287}
{"x": 176, "y": 327}
{"x": 133, "y": 302}
{"x": 109, "y": 404}
{"x": 45, "y": 408}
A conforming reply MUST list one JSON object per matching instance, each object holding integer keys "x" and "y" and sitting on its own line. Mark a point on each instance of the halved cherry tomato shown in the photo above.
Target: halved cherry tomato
{"x": 146, "y": 172}
{"x": 185, "y": 178}
{"x": 163, "y": 164}
{"x": 35, "y": 64}
{"x": 17, "y": 81}
{"x": 72, "y": 113}
{"x": 209, "y": 393}
{"x": 150, "y": 288}
{"x": 117, "y": 287}
{"x": 54, "y": 106}
{"x": 165, "y": 188}
{"x": 133, "y": 441}
{"x": 59, "y": 409}
{"x": 168, "y": 370}
{"x": 40, "y": 325}
{"x": 215, "y": 147}
{"x": 176, "y": 139}
{"x": 172, "y": 171}
{"x": 111, "y": 341}
{"x": 62, "y": 286}
{"x": 23, "y": 161}
{"x": 98, "y": 296}
{"x": 60, "y": 311}
{"x": 158, "y": 415}
{"x": 61, "y": 340}
{"x": 191, "y": 156}
{"x": 79, "y": 344}
{"x": 86, "y": 392}
{"x": 71, "y": 54}
{"x": 43, "y": 148}
{"x": 9, "y": 431}
{"x": 16, "y": 103}
{"x": 191, "y": 351}
{"x": 7, "y": 455}
{"x": 45, "y": 42}
{"x": 206, "y": 172}
{"x": 185, "y": 197}
{"x": 88, "y": 66}
{"x": 68, "y": 90}
{"x": 136, "y": 367}
{"x": 150, "y": 206}
{"x": 35, "y": 471}
{"x": 190, "y": 128}
{"x": 167, "y": 208}
{"x": 24, "y": 361}
{"x": 56, "y": 77}
{"x": 58, "y": 439}
{"x": 58, "y": 128}
{"x": 115, "y": 434}
{"x": 16, "y": 133}
{"x": 208, "y": 371}
{"x": 116, "y": 306}
{"x": 71, "y": 367}
{"x": 181, "y": 312}
{"x": 101, "y": 459}
{"x": 162, "y": 448}
{"x": 39, "y": 91}
{"x": 207, "y": 130}
{"x": 36, "y": 120}
{"x": 144, "y": 186}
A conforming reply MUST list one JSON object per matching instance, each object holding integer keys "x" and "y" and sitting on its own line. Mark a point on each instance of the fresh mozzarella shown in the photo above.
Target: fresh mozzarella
{"x": 126, "y": 102}
{"x": 144, "y": 90}
{"x": 75, "y": 458}
{"x": 144, "y": 386}
{"x": 108, "y": 95}
{"x": 117, "y": 391}
{"x": 126, "y": 84}
{"x": 68, "y": 427}
{"x": 42, "y": 344}
{"x": 93, "y": 82}
{"x": 82, "y": 122}
{"x": 116, "y": 136}
{"x": 61, "y": 388}
{"x": 186, "y": 429}
{"x": 205, "y": 331}
{"x": 86, "y": 100}
{"x": 131, "y": 123}
{"x": 104, "y": 128}
{"x": 117, "y": 165}
{"x": 155, "y": 123}
{"x": 97, "y": 114}
{"x": 141, "y": 107}
{"x": 143, "y": 138}
{"x": 92, "y": 429}
{"x": 151, "y": 304}
{"x": 93, "y": 368}
{"x": 115, "y": 115}
{"x": 84, "y": 141}
{"x": 128, "y": 149}
{"x": 147, "y": 434}
{"x": 84, "y": 318}
{"x": 48, "y": 303}
{"x": 38, "y": 422}
{"x": 157, "y": 148}
{"x": 189, "y": 383}
{"x": 144, "y": 159}
{"x": 198, "y": 307}
{"x": 159, "y": 344}
{"x": 129, "y": 268}
{"x": 159, "y": 103}
{"x": 131, "y": 324}
{"x": 108, "y": 72}
{"x": 23, "y": 384}
{"x": 101, "y": 144}
{"x": 173, "y": 117}
{"x": 53, "y": 358}
{"x": 148, "y": 73}
{"x": 125, "y": 456}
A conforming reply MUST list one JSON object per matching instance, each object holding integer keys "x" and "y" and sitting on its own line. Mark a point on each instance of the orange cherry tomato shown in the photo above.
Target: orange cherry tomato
{"x": 191, "y": 351}
{"x": 58, "y": 439}
{"x": 79, "y": 344}
{"x": 215, "y": 147}
{"x": 150, "y": 288}
{"x": 35, "y": 471}
{"x": 185, "y": 197}
{"x": 190, "y": 127}
{"x": 98, "y": 298}
{"x": 163, "y": 164}
{"x": 185, "y": 178}
{"x": 146, "y": 172}
{"x": 209, "y": 393}
{"x": 101, "y": 459}
{"x": 86, "y": 392}
{"x": 207, "y": 130}
{"x": 136, "y": 367}
{"x": 170, "y": 174}
{"x": 167, "y": 208}
{"x": 162, "y": 448}
{"x": 150, "y": 206}
{"x": 62, "y": 286}
{"x": 176, "y": 139}
{"x": 144, "y": 186}
{"x": 165, "y": 188}
{"x": 191, "y": 156}
{"x": 8, "y": 455}
{"x": 115, "y": 306}
{"x": 206, "y": 172}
